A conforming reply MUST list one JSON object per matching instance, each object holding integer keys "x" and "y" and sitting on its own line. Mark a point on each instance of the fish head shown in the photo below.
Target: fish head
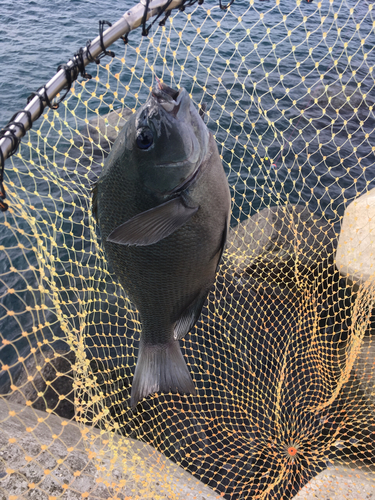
{"x": 168, "y": 140}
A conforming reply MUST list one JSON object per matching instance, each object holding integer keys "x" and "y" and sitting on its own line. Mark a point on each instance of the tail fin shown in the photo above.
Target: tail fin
{"x": 160, "y": 368}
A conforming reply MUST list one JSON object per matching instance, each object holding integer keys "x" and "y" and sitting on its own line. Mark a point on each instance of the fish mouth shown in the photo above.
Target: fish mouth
{"x": 162, "y": 90}
{"x": 169, "y": 99}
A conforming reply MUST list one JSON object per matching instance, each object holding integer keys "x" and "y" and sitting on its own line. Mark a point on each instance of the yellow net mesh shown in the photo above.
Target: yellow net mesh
{"x": 283, "y": 354}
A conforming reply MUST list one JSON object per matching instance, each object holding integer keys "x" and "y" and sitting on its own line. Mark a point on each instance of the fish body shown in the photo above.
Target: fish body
{"x": 162, "y": 203}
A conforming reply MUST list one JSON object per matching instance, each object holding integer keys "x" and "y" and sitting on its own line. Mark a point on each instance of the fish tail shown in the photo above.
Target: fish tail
{"x": 160, "y": 368}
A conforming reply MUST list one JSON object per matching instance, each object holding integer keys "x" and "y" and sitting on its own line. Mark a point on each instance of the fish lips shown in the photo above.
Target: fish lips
{"x": 166, "y": 94}
{"x": 163, "y": 106}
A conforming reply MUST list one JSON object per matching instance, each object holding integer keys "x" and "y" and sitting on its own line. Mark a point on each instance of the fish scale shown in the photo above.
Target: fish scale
{"x": 163, "y": 206}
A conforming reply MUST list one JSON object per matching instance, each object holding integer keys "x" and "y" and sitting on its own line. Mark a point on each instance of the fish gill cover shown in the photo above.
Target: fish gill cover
{"x": 281, "y": 357}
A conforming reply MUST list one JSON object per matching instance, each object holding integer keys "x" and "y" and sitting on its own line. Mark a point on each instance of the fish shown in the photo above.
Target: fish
{"x": 162, "y": 204}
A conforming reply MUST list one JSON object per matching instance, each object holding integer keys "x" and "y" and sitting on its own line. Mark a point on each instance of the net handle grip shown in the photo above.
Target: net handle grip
{"x": 131, "y": 20}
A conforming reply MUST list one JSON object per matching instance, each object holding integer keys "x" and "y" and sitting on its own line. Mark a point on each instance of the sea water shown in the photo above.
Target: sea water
{"x": 38, "y": 36}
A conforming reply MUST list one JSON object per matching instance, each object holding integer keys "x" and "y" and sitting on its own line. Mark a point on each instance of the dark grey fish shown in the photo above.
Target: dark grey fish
{"x": 163, "y": 206}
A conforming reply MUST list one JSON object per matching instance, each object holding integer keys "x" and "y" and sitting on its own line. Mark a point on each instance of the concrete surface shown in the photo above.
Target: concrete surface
{"x": 281, "y": 245}
{"x": 340, "y": 483}
{"x": 364, "y": 367}
{"x": 108, "y": 126}
{"x": 355, "y": 257}
{"x": 45, "y": 457}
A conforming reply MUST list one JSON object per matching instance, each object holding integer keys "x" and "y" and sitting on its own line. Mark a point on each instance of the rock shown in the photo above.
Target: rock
{"x": 355, "y": 257}
{"x": 44, "y": 456}
{"x": 46, "y": 380}
{"x": 95, "y": 139}
{"x": 280, "y": 245}
{"x": 339, "y": 483}
{"x": 104, "y": 129}
{"x": 338, "y": 96}
{"x": 364, "y": 367}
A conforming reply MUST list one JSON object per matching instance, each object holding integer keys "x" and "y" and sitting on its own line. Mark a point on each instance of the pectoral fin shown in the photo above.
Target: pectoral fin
{"x": 153, "y": 225}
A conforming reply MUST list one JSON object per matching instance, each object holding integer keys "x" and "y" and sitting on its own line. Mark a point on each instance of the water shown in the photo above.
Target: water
{"x": 321, "y": 170}
{"x": 38, "y": 36}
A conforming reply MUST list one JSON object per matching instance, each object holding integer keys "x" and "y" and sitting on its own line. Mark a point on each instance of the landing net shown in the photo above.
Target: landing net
{"x": 283, "y": 354}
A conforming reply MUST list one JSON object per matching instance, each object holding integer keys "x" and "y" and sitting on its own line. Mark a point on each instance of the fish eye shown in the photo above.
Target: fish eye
{"x": 144, "y": 138}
